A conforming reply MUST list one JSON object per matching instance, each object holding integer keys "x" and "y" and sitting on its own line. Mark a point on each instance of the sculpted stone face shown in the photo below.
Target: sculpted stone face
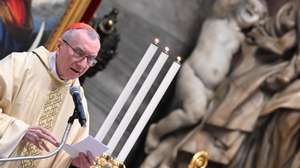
{"x": 251, "y": 12}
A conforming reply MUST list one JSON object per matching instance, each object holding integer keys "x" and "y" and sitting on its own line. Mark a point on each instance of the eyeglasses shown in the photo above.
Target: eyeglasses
{"x": 80, "y": 55}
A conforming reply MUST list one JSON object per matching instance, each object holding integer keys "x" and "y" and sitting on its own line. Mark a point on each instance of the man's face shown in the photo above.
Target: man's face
{"x": 74, "y": 57}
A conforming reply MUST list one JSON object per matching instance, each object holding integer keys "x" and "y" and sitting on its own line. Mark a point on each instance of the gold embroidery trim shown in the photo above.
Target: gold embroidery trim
{"x": 46, "y": 120}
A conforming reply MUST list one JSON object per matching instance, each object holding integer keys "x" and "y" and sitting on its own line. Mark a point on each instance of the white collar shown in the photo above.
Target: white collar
{"x": 52, "y": 63}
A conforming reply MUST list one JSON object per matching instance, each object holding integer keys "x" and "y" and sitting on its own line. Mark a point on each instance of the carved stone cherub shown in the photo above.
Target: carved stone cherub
{"x": 208, "y": 65}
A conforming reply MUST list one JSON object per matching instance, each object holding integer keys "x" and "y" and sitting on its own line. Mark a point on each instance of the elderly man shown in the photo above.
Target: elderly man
{"x": 35, "y": 103}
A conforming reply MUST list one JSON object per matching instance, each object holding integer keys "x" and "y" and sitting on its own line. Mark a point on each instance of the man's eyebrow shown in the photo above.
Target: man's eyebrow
{"x": 79, "y": 49}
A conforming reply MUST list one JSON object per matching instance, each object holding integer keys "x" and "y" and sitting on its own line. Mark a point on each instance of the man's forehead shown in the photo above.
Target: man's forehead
{"x": 84, "y": 48}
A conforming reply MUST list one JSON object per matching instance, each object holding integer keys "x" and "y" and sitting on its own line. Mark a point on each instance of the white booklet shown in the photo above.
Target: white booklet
{"x": 88, "y": 144}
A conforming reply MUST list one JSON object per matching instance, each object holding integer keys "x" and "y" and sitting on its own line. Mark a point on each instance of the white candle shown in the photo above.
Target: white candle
{"x": 126, "y": 92}
{"x": 137, "y": 101}
{"x": 148, "y": 111}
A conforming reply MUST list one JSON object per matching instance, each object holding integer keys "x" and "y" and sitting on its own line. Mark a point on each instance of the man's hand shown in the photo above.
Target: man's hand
{"x": 38, "y": 135}
{"x": 84, "y": 160}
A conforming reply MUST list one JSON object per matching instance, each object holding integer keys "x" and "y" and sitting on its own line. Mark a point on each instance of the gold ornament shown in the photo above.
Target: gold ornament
{"x": 106, "y": 161}
{"x": 199, "y": 160}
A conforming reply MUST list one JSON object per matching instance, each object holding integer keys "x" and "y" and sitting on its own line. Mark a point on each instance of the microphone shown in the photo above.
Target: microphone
{"x": 75, "y": 92}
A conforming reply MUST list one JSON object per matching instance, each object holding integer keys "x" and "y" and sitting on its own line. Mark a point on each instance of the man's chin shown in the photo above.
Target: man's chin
{"x": 74, "y": 77}
{"x": 71, "y": 77}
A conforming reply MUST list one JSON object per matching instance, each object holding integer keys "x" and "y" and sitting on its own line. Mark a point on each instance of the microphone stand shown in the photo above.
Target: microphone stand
{"x": 63, "y": 141}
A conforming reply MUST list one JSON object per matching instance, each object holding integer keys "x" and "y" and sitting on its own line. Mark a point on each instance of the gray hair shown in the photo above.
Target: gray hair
{"x": 69, "y": 34}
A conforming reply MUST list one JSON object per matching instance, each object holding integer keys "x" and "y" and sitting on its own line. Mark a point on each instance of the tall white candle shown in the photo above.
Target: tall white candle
{"x": 126, "y": 92}
{"x": 148, "y": 111}
{"x": 137, "y": 101}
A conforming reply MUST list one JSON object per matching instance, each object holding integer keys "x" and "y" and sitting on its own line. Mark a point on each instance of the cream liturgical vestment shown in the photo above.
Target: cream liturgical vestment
{"x": 30, "y": 95}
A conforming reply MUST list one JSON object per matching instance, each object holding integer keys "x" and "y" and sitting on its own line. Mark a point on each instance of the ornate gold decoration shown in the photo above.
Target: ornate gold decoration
{"x": 108, "y": 162}
{"x": 199, "y": 160}
{"x": 31, "y": 150}
{"x": 46, "y": 120}
{"x": 52, "y": 107}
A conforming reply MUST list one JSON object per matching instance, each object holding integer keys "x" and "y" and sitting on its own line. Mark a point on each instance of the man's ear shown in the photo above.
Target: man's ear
{"x": 59, "y": 43}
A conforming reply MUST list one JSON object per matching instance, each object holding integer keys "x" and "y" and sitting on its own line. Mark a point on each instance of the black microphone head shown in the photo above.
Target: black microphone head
{"x": 74, "y": 89}
{"x": 79, "y": 110}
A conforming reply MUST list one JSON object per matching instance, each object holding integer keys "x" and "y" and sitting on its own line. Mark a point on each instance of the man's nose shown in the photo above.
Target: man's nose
{"x": 83, "y": 63}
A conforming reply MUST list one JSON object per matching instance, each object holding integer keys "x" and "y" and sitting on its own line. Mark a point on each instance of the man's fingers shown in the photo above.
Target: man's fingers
{"x": 84, "y": 160}
{"x": 32, "y": 138}
{"x": 43, "y": 134}
{"x": 90, "y": 157}
{"x": 38, "y": 136}
{"x": 37, "y": 144}
{"x": 47, "y": 138}
{"x": 42, "y": 143}
{"x": 36, "y": 140}
{"x": 46, "y": 132}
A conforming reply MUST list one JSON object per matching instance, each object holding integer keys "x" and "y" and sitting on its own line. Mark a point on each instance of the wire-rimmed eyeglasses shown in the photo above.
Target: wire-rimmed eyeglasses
{"x": 80, "y": 55}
